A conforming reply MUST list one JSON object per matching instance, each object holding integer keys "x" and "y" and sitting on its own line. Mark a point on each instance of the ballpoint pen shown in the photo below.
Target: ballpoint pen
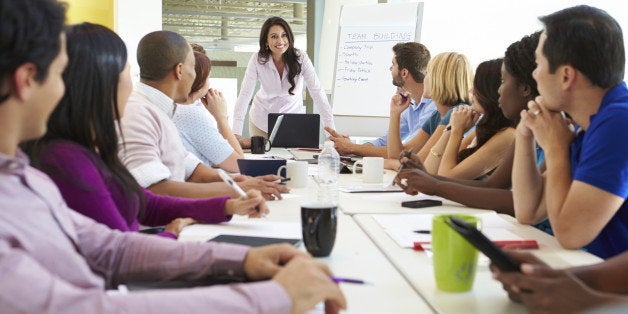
{"x": 349, "y": 280}
{"x": 408, "y": 155}
{"x": 225, "y": 177}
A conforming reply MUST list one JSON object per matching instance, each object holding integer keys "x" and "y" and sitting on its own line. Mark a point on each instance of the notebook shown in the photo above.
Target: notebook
{"x": 294, "y": 130}
{"x": 253, "y": 240}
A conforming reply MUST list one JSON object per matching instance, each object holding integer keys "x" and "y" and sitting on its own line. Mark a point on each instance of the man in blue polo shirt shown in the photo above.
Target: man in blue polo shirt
{"x": 580, "y": 69}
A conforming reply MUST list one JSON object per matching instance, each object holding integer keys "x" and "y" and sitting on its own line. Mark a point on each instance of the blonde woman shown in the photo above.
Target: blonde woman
{"x": 447, "y": 82}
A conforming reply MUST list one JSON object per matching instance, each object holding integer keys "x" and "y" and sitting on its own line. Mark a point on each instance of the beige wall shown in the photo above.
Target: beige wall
{"x": 98, "y": 12}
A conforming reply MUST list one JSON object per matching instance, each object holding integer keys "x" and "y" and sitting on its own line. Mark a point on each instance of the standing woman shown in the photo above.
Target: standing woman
{"x": 281, "y": 70}
{"x": 80, "y": 149}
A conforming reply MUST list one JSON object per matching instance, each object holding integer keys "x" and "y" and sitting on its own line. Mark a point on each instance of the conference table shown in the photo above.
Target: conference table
{"x": 400, "y": 279}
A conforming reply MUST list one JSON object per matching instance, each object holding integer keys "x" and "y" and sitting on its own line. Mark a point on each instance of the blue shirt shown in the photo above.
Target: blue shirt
{"x": 198, "y": 132}
{"x": 599, "y": 157}
{"x": 544, "y": 225}
{"x": 411, "y": 121}
{"x": 435, "y": 120}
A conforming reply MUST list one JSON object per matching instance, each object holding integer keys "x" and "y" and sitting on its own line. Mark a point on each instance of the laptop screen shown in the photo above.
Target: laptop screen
{"x": 294, "y": 129}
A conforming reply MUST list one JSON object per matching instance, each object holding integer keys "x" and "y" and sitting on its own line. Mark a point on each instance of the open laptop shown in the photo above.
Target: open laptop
{"x": 294, "y": 130}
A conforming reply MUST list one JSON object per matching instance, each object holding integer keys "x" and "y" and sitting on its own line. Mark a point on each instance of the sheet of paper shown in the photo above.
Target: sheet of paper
{"x": 369, "y": 188}
{"x": 292, "y": 194}
{"x": 398, "y": 198}
{"x": 401, "y": 228}
{"x": 248, "y": 227}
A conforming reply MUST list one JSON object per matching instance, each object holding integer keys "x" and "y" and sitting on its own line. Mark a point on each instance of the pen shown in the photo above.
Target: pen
{"x": 407, "y": 154}
{"x": 282, "y": 181}
{"x": 404, "y": 97}
{"x": 348, "y": 280}
{"x": 225, "y": 177}
{"x": 422, "y": 231}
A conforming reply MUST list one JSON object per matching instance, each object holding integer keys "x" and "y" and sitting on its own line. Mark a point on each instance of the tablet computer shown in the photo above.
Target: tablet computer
{"x": 481, "y": 242}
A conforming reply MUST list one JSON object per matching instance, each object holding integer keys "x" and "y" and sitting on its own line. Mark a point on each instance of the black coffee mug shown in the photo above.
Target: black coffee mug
{"x": 318, "y": 227}
{"x": 259, "y": 144}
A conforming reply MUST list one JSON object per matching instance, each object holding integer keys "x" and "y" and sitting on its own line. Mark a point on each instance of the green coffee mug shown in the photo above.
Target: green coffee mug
{"x": 455, "y": 259}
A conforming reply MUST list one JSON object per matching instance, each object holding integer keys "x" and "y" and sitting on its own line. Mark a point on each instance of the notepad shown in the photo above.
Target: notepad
{"x": 253, "y": 240}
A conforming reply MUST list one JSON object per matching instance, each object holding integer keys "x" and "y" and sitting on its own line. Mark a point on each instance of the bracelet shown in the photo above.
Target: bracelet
{"x": 433, "y": 152}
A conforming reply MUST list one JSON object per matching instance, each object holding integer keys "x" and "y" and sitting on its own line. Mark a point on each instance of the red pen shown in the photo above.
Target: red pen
{"x": 517, "y": 244}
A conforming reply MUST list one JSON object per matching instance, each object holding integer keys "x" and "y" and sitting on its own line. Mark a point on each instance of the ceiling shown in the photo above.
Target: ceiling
{"x": 229, "y": 24}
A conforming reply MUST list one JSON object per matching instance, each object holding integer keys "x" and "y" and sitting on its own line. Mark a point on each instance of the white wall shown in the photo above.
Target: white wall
{"x": 134, "y": 19}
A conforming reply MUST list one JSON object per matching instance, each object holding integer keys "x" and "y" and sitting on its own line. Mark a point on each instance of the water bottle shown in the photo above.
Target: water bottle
{"x": 328, "y": 168}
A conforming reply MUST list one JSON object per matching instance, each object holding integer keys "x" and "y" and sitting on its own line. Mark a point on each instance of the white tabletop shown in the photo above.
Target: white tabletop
{"x": 403, "y": 278}
{"x": 487, "y": 295}
{"x": 354, "y": 256}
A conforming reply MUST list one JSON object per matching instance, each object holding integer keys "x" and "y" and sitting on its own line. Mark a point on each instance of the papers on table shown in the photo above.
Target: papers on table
{"x": 249, "y": 227}
{"x": 398, "y": 198}
{"x": 370, "y": 188}
{"x": 401, "y": 227}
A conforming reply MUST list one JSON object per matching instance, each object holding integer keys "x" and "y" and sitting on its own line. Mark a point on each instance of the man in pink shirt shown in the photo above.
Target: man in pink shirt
{"x": 54, "y": 260}
{"x": 150, "y": 146}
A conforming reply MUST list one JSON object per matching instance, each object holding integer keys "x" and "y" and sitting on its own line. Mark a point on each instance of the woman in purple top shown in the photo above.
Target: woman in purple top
{"x": 79, "y": 151}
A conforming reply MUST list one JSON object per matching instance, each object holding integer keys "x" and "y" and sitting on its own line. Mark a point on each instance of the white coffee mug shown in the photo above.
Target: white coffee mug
{"x": 372, "y": 169}
{"x": 297, "y": 172}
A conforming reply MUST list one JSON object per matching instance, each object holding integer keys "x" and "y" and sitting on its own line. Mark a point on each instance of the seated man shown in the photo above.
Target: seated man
{"x": 150, "y": 146}
{"x": 584, "y": 190}
{"x": 54, "y": 260}
{"x": 408, "y": 68}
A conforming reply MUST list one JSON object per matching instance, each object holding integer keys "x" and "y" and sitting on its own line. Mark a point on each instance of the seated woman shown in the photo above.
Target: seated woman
{"x": 485, "y": 148}
{"x": 80, "y": 149}
{"x": 447, "y": 82}
{"x": 517, "y": 88}
{"x": 203, "y": 122}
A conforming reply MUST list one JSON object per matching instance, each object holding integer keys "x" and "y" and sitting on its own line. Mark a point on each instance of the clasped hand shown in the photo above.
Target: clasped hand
{"x": 463, "y": 118}
{"x": 549, "y": 128}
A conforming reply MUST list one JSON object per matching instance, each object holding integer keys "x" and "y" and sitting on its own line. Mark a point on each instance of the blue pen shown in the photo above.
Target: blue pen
{"x": 349, "y": 280}
{"x": 404, "y": 97}
{"x": 225, "y": 177}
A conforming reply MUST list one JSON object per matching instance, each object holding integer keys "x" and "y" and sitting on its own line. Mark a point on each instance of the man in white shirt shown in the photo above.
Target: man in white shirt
{"x": 150, "y": 146}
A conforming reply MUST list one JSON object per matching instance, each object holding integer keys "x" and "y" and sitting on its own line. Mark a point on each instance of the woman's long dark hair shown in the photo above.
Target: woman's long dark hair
{"x": 290, "y": 57}
{"x": 88, "y": 111}
{"x": 485, "y": 86}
